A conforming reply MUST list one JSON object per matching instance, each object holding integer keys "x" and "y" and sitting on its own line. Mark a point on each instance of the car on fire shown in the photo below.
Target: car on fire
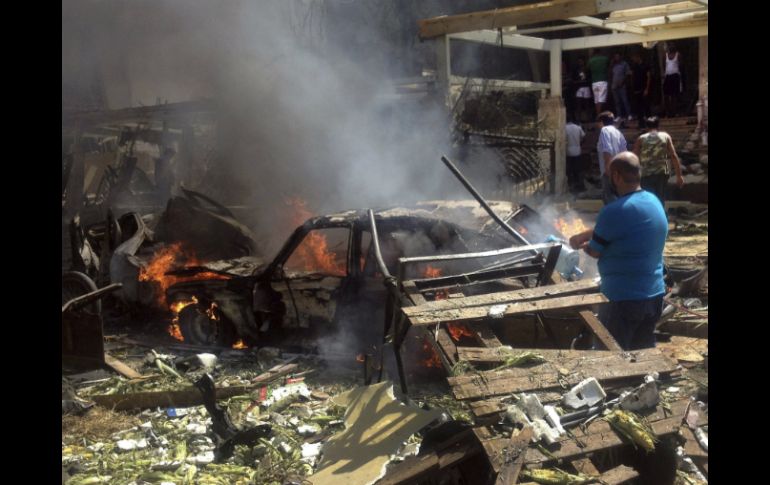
{"x": 325, "y": 278}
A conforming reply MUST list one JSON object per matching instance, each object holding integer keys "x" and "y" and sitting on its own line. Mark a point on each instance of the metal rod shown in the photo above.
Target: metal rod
{"x": 377, "y": 252}
{"x": 481, "y": 201}
{"x": 483, "y": 254}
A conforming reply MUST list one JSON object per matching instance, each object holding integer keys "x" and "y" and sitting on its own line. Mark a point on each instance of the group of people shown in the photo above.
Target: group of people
{"x": 654, "y": 148}
{"x": 600, "y": 75}
{"x": 631, "y": 228}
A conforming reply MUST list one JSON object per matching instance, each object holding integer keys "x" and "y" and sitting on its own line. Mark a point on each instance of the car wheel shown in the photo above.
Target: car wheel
{"x": 198, "y": 329}
{"x": 75, "y": 284}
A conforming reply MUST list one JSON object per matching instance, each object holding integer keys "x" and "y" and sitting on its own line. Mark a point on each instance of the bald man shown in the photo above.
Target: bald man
{"x": 628, "y": 241}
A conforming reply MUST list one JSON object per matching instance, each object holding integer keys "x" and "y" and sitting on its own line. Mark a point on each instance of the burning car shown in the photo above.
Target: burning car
{"x": 325, "y": 277}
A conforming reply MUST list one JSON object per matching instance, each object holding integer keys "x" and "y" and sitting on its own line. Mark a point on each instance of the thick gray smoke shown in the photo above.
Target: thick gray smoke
{"x": 306, "y": 105}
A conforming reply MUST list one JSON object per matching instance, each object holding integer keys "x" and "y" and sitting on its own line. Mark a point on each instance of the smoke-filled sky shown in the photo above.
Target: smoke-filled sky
{"x": 302, "y": 88}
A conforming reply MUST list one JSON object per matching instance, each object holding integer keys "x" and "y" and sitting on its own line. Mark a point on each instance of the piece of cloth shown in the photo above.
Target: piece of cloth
{"x": 598, "y": 66}
{"x": 608, "y": 193}
{"x": 619, "y": 72}
{"x": 672, "y": 85}
{"x": 611, "y": 141}
{"x": 575, "y": 136}
{"x": 653, "y": 153}
{"x": 600, "y": 91}
{"x": 629, "y": 236}
{"x": 622, "y": 105}
{"x": 632, "y": 322}
{"x": 656, "y": 184}
{"x": 583, "y": 92}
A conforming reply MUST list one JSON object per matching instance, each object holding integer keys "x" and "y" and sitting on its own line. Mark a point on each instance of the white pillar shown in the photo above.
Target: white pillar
{"x": 443, "y": 66}
{"x": 555, "y": 67}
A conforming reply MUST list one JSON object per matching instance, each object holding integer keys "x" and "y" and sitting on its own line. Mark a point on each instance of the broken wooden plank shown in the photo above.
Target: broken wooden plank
{"x": 536, "y": 293}
{"x": 414, "y": 293}
{"x": 182, "y": 398}
{"x": 507, "y": 382}
{"x": 447, "y": 345}
{"x": 189, "y": 396}
{"x": 481, "y": 312}
{"x": 598, "y": 329}
{"x": 513, "y": 457}
{"x": 485, "y": 336}
{"x": 585, "y": 466}
{"x": 619, "y": 474}
{"x": 497, "y": 355}
{"x": 121, "y": 368}
{"x": 550, "y": 375}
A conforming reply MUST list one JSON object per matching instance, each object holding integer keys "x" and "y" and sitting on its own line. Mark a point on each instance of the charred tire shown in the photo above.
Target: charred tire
{"x": 74, "y": 284}
{"x": 198, "y": 329}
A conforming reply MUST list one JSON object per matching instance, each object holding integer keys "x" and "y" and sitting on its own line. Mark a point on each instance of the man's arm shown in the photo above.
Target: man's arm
{"x": 675, "y": 162}
{"x": 637, "y": 146}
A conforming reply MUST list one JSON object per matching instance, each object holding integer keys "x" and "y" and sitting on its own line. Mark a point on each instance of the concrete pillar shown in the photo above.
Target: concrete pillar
{"x": 554, "y": 115}
{"x": 443, "y": 67}
{"x": 555, "y": 68}
{"x": 703, "y": 81}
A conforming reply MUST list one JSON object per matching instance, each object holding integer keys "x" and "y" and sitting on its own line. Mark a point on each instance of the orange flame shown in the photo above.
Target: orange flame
{"x": 313, "y": 253}
{"x": 431, "y": 272}
{"x": 458, "y": 330}
{"x": 176, "y": 307}
{"x": 570, "y": 228}
{"x": 432, "y": 360}
{"x": 240, "y": 345}
{"x": 168, "y": 258}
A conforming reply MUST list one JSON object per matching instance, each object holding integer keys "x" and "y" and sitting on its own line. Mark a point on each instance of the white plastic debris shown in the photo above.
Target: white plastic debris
{"x": 654, "y": 376}
{"x": 643, "y": 397}
{"x": 129, "y": 445}
{"x": 310, "y": 451}
{"x": 203, "y": 459}
{"x": 586, "y": 393}
{"x": 207, "y": 361}
{"x": 196, "y": 428}
{"x": 281, "y": 393}
{"x": 146, "y": 426}
{"x": 553, "y": 418}
{"x": 308, "y": 430}
{"x": 529, "y": 410}
{"x": 497, "y": 311}
{"x": 95, "y": 447}
{"x": 672, "y": 389}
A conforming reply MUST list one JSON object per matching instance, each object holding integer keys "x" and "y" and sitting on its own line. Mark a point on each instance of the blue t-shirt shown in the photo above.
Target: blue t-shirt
{"x": 630, "y": 234}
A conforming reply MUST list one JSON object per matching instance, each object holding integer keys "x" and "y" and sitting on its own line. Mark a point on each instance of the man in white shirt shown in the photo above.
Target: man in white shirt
{"x": 611, "y": 142}
{"x": 575, "y": 135}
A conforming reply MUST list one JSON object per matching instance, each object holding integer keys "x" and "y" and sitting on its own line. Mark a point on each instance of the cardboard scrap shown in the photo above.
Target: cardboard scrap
{"x": 376, "y": 425}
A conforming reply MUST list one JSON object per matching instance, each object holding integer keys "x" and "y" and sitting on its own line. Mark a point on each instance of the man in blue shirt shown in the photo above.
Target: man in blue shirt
{"x": 628, "y": 240}
{"x": 611, "y": 142}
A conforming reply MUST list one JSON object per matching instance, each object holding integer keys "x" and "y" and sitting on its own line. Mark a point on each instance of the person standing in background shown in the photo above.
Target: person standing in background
{"x": 575, "y": 135}
{"x": 620, "y": 72}
{"x": 672, "y": 82}
{"x": 598, "y": 65}
{"x": 611, "y": 142}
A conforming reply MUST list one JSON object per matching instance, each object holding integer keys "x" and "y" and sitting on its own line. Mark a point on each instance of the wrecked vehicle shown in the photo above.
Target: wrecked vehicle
{"x": 325, "y": 277}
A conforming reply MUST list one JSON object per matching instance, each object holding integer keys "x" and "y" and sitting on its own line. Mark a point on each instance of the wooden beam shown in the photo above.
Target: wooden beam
{"x": 538, "y": 292}
{"x": 621, "y": 26}
{"x": 598, "y": 329}
{"x": 524, "y": 14}
{"x": 626, "y": 38}
{"x": 482, "y": 312}
{"x": 657, "y": 11}
{"x": 492, "y": 37}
